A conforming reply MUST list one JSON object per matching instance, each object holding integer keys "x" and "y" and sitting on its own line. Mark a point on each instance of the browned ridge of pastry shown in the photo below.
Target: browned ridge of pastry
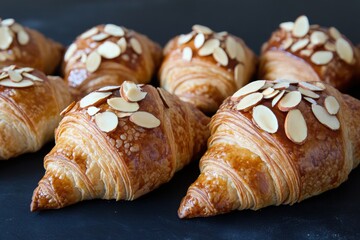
{"x": 304, "y": 52}
{"x": 27, "y": 48}
{"x": 108, "y": 55}
{"x": 30, "y": 104}
{"x": 119, "y": 143}
{"x": 275, "y": 143}
{"x": 204, "y": 67}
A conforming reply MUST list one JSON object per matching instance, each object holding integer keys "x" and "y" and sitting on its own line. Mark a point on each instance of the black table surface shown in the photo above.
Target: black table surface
{"x": 331, "y": 215}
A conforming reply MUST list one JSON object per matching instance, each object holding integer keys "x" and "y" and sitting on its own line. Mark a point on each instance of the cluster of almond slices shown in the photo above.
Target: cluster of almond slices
{"x": 9, "y": 30}
{"x": 222, "y": 46}
{"x": 287, "y": 95}
{"x": 305, "y": 40}
{"x": 107, "y": 49}
{"x": 120, "y": 107}
{"x": 13, "y": 76}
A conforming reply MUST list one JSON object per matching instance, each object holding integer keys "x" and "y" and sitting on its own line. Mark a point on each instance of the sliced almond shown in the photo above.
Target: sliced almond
{"x": 209, "y": 47}
{"x": 5, "y": 38}
{"x": 93, "y": 98}
{"x": 310, "y": 86}
{"x": 231, "y": 46}
{"x": 249, "y": 88}
{"x": 295, "y": 126}
{"x": 70, "y": 51}
{"x": 308, "y": 93}
{"x": 106, "y": 121}
{"x": 322, "y": 57}
{"x": 23, "y": 38}
{"x": 89, "y": 33}
{"x": 100, "y": 37}
{"x": 120, "y": 104}
{"x": 332, "y": 105}
{"x": 163, "y": 97}
{"x": 187, "y": 54}
{"x": 318, "y": 38}
{"x": 240, "y": 52}
{"x": 93, "y": 61}
{"x": 68, "y": 108}
{"x": 334, "y": 33}
{"x": 299, "y": 45}
{"x": 25, "y": 69}
{"x": 16, "y": 27}
{"x": 92, "y": 110}
{"x": 268, "y": 84}
{"x": 144, "y": 119}
{"x": 325, "y": 118}
{"x": 122, "y": 44}
{"x": 222, "y": 34}
{"x": 202, "y": 29}
{"x": 273, "y": 94}
{"x": 281, "y": 85}
{"x": 8, "y": 22}
{"x": 282, "y": 80}
{"x": 114, "y": 30}
{"x": 184, "y": 38}
{"x": 83, "y": 58}
{"x": 306, "y": 52}
{"x": 123, "y": 114}
{"x": 289, "y": 101}
{"x": 239, "y": 73}
{"x": 301, "y": 26}
{"x": 199, "y": 40}
{"x": 265, "y": 119}
{"x": 268, "y": 91}
{"x": 277, "y": 98}
{"x": 136, "y": 46}
{"x": 344, "y": 50}
{"x": 248, "y": 101}
{"x": 32, "y": 77}
{"x": 320, "y": 85}
{"x": 108, "y": 89}
{"x": 310, "y": 100}
{"x": 330, "y": 46}
{"x": 15, "y": 76}
{"x": 287, "y": 43}
{"x": 109, "y": 50}
{"x": 220, "y": 56}
{"x": 131, "y": 92}
{"x": 22, "y": 84}
{"x": 4, "y": 75}
{"x": 287, "y": 26}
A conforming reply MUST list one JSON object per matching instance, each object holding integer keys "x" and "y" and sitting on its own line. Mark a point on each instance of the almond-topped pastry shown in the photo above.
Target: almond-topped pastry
{"x": 300, "y": 51}
{"x": 278, "y": 150}
{"x": 27, "y": 47}
{"x": 111, "y": 147}
{"x": 108, "y": 55}
{"x": 30, "y": 104}
{"x": 204, "y": 67}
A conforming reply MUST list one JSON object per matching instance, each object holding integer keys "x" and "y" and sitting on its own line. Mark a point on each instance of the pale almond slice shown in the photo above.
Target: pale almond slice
{"x": 295, "y": 126}
{"x": 267, "y": 85}
{"x": 277, "y": 98}
{"x": 93, "y": 98}
{"x": 301, "y": 26}
{"x": 322, "y": 57}
{"x": 265, "y": 119}
{"x": 120, "y": 104}
{"x": 93, "y": 62}
{"x": 32, "y": 77}
{"x": 248, "y": 101}
{"x": 199, "y": 40}
{"x": 240, "y": 52}
{"x": 290, "y": 81}
{"x": 100, "y": 37}
{"x": 22, "y": 84}
{"x": 67, "y": 109}
{"x": 268, "y": 91}
{"x": 325, "y": 118}
{"x": 310, "y": 100}
{"x": 123, "y": 114}
{"x": 106, "y": 121}
{"x": 5, "y": 38}
{"x": 281, "y": 85}
{"x": 109, "y": 50}
{"x": 320, "y": 85}
{"x": 318, "y": 38}
{"x": 108, "y": 88}
{"x": 289, "y": 101}
{"x": 8, "y": 22}
{"x": 287, "y": 26}
{"x": 136, "y": 46}
{"x": 273, "y": 94}
{"x": 16, "y": 27}
{"x": 220, "y": 56}
{"x": 332, "y": 105}
{"x": 187, "y": 54}
{"x": 334, "y": 33}
{"x": 299, "y": 45}
{"x": 4, "y": 75}
{"x": 184, "y": 38}
{"x": 25, "y": 69}
{"x": 92, "y": 110}
{"x": 330, "y": 46}
{"x": 239, "y": 74}
{"x": 231, "y": 46}
{"x": 122, "y": 44}
{"x": 310, "y": 86}
{"x": 114, "y": 30}
{"x": 131, "y": 92}
{"x": 144, "y": 119}
{"x": 83, "y": 58}
{"x": 308, "y": 93}
{"x": 209, "y": 47}
{"x": 89, "y": 33}
{"x": 161, "y": 92}
{"x": 202, "y": 29}
{"x": 249, "y": 88}
{"x": 306, "y": 52}
{"x": 344, "y": 50}
{"x": 70, "y": 51}
{"x": 8, "y": 68}
{"x": 287, "y": 43}
{"x": 23, "y": 38}
{"x": 15, "y": 76}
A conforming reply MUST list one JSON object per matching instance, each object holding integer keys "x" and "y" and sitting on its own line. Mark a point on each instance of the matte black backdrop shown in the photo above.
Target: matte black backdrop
{"x": 332, "y": 215}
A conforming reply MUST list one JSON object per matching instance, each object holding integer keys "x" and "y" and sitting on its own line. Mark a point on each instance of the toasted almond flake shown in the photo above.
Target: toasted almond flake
{"x": 325, "y": 118}
{"x": 299, "y": 44}
{"x": 231, "y": 46}
{"x": 308, "y": 93}
{"x": 184, "y": 38}
{"x": 114, "y": 30}
{"x": 318, "y": 38}
{"x": 332, "y": 105}
{"x": 92, "y": 110}
{"x": 287, "y": 43}
{"x": 301, "y": 26}
{"x": 310, "y": 86}
{"x": 265, "y": 119}
{"x": 287, "y": 26}
{"x": 32, "y": 77}
{"x": 8, "y": 22}
{"x": 268, "y": 84}
{"x": 70, "y": 51}
{"x": 187, "y": 54}
{"x": 120, "y": 104}
{"x": 123, "y": 114}
{"x": 199, "y": 40}
{"x": 93, "y": 62}
{"x": 15, "y": 76}
{"x": 109, "y": 50}
{"x": 202, "y": 29}
{"x": 5, "y": 38}
{"x": 240, "y": 52}
{"x": 163, "y": 97}
{"x": 122, "y": 44}
{"x": 144, "y": 119}
{"x": 239, "y": 73}
{"x": 334, "y": 33}
{"x": 322, "y": 57}
{"x": 209, "y": 47}
{"x": 108, "y": 88}
{"x": 281, "y": 85}
{"x": 100, "y": 36}
{"x": 89, "y": 33}
{"x": 248, "y": 101}
{"x": 306, "y": 52}
{"x": 277, "y": 98}
{"x": 130, "y": 92}
{"x": 68, "y": 108}
{"x": 268, "y": 91}
{"x": 344, "y": 50}
{"x": 249, "y": 88}
{"x": 93, "y": 98}
{"x": 16, "y": 28}
{"x": 22, "y": 84}
{"x": 23, "y": 37}
{"x": 289, "y": 101}
{"x": 320, "y": 85}
{"x": 273, "y": 94}
{"x": 310, "y": 100}
{"x": 106, "y": 121}
{"x": 330, "y": 46}
{"x": 136, "y": 46}
{"x": 220, "y": 56}
{"x": 295, "y": 126}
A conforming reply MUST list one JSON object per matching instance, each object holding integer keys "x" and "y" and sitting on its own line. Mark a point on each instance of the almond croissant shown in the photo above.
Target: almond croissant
{"x": 119, "y": 144}
{"x": 275, "y": 143}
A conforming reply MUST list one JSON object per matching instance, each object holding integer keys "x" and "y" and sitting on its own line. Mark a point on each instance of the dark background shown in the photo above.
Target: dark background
{"x": 332, "y": 215}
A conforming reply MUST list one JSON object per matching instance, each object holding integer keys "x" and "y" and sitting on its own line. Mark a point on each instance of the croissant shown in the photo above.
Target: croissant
{"x": 119, "y": 144}
{"x": 275, "y": 143}
{"x": 204, "y": 67}
{"x": 27, "y": 48}
{"x": 30, "y": 104}
{"x": 300, "y": 51}
{"x": 108, "y": 55}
